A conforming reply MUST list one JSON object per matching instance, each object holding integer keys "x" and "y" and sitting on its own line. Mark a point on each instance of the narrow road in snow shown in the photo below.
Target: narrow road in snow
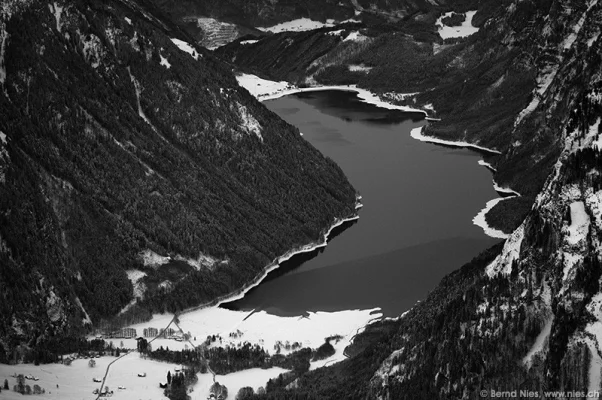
{"x": 104, "y": 378}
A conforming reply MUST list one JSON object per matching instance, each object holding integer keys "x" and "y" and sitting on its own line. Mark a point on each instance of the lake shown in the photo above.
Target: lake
{"x": 416, "y": 224}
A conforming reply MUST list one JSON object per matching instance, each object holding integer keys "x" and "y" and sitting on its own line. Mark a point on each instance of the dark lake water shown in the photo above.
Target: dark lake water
{"x": 416, "y": 224}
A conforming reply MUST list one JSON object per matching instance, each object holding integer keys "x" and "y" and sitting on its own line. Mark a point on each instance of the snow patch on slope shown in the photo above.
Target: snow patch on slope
{"x": 164, "y": 62}
{"x": 93, "y": 49}
{"x": 297, "y": 25}
{"x": 594, "y": 329}
{"x": 250, "y": 124}
{"x": 464, "y": 30}
{"x": 138, "y": 288}
{"x": 387, "y": 368}
{"x": 593, "y": 201}
{"x": 570, "y": 39}
{"x": 186, "y": 47}
{"x": 540, "y": 342}
{"x": 355, "y": 36}
{"x": 577, "y": 231}
{"x": 86, "y": 319}
{"x": 259, "y": 87}
{"x": 511, "y": 251}
{"x": 359, "y": 68}
{"x": 4, "y": 158}
{"x": 57, "y": 11}
{"x": 3, "y": 44}
{"x": 152, "y": 259}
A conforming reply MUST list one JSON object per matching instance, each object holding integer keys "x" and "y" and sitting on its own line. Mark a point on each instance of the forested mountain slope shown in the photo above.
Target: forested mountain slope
{"x": 119, "y": 149}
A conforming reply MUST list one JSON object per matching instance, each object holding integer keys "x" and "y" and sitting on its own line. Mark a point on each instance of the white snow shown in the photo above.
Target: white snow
{"x": 259, "y": 87}
{"x": 249, "y": 41}
{"x": 152, "y": 259}
{"x": 255, "y": 378}
{"x": 594, "y": 372}
{"x": 510, "y": 252}
{"x": 466, "y": 29}
{"x": 569, "y": 40}
{"x": 544, "y": 80}
{"x": 593, "y": 133}
{"x": 579, "y": 227}
{"x": 571, "y": 260}
{"x": 202, "y": 260}
{"x": 129, "y": 21}
{"x": 540, "y": 343}
{"x": 501, "y": 189}
{"x": 125, "y": 372}
{"x": 186, "y": 47}
{"x": 267, "y": 90}
{"x": 479, "y": 220}
{"x": 135, "y": 276}
{"x": 86, "y": 319}
{"x": 93, "y": 49}
{"x": 335, "y": 33}
{"x": 417, "y": 134}
{"x": 387, "y": 366}
{"x": 140, "y": 110}
{"x": 595, "y": 329}
{"x": 74, "y": 381}
{"x": 355, "y": 36}
{"x": 264, "y": 329}
{"x": 138, "y": 288}
{"x": 297, "y": 25}
{"x": 57, "y": 10}
{"x": 249, "y": 123}
{"x": 592, "y": 40}
{"x": 164, "y": 62}
{"x": 487, "y": 165}
{"x": 359, "y": 68}
{"x": 593, "y": 200}
{"x": 4, "y": 34}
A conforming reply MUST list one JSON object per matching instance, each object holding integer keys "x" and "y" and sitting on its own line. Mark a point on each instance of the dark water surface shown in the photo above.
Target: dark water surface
{"x": 416, "y": 225}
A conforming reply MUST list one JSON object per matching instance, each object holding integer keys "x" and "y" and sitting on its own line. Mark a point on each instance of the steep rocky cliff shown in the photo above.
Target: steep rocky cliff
{"x": 126, "y": 152}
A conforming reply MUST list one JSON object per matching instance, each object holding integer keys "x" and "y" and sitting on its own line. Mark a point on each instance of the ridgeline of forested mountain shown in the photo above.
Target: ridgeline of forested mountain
{"x": 116, "y": 144}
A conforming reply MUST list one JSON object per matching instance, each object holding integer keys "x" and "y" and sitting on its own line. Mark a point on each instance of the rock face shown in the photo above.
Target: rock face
{"x": 118, "y": 139}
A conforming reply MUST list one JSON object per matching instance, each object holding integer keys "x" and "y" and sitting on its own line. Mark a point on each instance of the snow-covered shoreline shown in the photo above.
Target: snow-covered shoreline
{"x": 417, "y": 134}
{"x": 487, "y": 165}
{"x": 265, "y": 90}
{"x": 240, "y": 293}
{"x": 479, "y": 219}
